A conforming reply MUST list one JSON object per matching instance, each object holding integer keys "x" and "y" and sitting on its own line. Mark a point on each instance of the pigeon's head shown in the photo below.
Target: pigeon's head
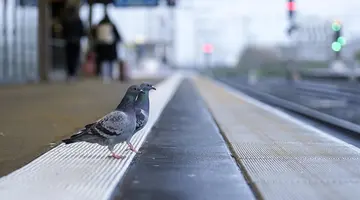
{"x": 147, "y": 87}
{"x": 134, "y": 90}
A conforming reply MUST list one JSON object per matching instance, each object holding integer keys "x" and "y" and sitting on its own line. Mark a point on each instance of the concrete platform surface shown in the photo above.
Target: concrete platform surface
{"x": 184, "y": 157}
{"x": 82, "y": 170}
{"x": 34, "y": 117}
{"x": 283, "y": 158}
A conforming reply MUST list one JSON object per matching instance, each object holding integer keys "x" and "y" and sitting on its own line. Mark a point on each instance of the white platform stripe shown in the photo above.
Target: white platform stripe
{"x": 81, "y": 170}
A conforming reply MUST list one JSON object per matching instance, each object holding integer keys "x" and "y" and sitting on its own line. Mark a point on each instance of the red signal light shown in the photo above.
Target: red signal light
{"x": 291, "y": 6}
{"x": 208, "y": 48}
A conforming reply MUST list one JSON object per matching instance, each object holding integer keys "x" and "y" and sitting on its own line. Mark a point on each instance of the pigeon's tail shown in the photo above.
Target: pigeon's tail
{"x": 68, "y": 141}
{"x": 78, "y": 137}
{"x": 83, "y": 136}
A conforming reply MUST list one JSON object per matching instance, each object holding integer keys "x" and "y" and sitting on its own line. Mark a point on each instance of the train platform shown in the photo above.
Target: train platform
{"x": 282, "y": 157}
{"x": 203, "y": 140}
{"x": 34, "y": 117}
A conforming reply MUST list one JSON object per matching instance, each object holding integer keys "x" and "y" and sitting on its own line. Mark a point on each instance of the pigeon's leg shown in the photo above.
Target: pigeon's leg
{"x": 113, "y": 154}
{"x": 131, "y": 147}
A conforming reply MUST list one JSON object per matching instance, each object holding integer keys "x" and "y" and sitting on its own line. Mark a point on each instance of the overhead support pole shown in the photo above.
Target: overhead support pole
{"x": 44, "y": 50}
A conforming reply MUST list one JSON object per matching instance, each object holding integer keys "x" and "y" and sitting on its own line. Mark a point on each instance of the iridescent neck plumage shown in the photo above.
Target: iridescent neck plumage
{"x": 142, "y": 100}
{"x": 126, "y": 103}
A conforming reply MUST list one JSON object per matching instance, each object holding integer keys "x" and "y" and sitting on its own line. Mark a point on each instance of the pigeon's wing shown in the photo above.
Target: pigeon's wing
{"x": 83, "y": 130}
{"x": 141, "y": 119}
{"x": 87, "y": 126}
{"x": 113, "y": 124}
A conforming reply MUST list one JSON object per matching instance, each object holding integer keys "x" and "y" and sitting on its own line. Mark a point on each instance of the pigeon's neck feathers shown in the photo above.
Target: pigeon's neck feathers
{"x": 126, "y": 103}
{"x": 142, "y": 100}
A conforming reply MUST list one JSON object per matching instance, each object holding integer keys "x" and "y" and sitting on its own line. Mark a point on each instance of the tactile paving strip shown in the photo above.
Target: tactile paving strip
{"x": 81, "y": 171}
{"x": 283, "y": 158}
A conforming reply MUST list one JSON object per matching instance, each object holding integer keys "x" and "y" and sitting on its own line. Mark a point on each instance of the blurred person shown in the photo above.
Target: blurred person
{"x": 107, "y": 38}
{"x": 97, "y": 60}
{"x": 73, "y": 30}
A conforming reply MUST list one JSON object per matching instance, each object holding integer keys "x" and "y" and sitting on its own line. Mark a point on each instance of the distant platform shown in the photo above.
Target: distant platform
{"x": 139, "y": 74}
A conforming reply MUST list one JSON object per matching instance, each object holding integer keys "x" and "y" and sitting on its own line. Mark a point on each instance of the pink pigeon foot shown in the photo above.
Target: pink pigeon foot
{"x": 117, "y": 156}
{"x": 132, "y": 148}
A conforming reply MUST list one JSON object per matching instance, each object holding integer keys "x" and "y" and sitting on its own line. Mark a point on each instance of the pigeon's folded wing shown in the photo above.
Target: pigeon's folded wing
{"x": 141, "y": 119}
{"x": 87, "y": 126}
{"x": 140, "y": 115}
{"x": 113, "y": 124}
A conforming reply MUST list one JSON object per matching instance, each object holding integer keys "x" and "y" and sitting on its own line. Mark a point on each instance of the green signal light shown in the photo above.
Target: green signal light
{"x": 336, "y": 46}
{"x": 341, "y": 40}
{"x": 336, "y": 26}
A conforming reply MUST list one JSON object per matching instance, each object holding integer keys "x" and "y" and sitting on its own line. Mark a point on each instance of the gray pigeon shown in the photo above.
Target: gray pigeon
{"x": 116, "y": 127}
{"x": 142, "y": 106}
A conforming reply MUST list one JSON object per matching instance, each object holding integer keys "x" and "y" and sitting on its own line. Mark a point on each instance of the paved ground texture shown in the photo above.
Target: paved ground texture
{"x": 284, "y": 158}
{"x": 34, "y": 117}
{"x": 184, "y": 157}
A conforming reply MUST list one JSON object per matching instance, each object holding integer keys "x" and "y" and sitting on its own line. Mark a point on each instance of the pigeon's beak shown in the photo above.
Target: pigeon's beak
{"x": 142, "y": 91}
{"x": 152, "y": 87}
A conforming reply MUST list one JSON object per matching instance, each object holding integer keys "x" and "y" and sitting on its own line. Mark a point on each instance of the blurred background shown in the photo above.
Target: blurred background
{"x": 196, "y": 34}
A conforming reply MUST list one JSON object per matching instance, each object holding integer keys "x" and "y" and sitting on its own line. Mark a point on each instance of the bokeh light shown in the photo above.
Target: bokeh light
{"x": 336, "y": 46}
{"x": 341, "y": 40}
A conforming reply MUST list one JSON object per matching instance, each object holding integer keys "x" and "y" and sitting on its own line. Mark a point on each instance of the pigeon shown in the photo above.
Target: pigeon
{"x": 116, "y": 127}
{"x": 142, "y": 109}
{"x": 142, "y": 106}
